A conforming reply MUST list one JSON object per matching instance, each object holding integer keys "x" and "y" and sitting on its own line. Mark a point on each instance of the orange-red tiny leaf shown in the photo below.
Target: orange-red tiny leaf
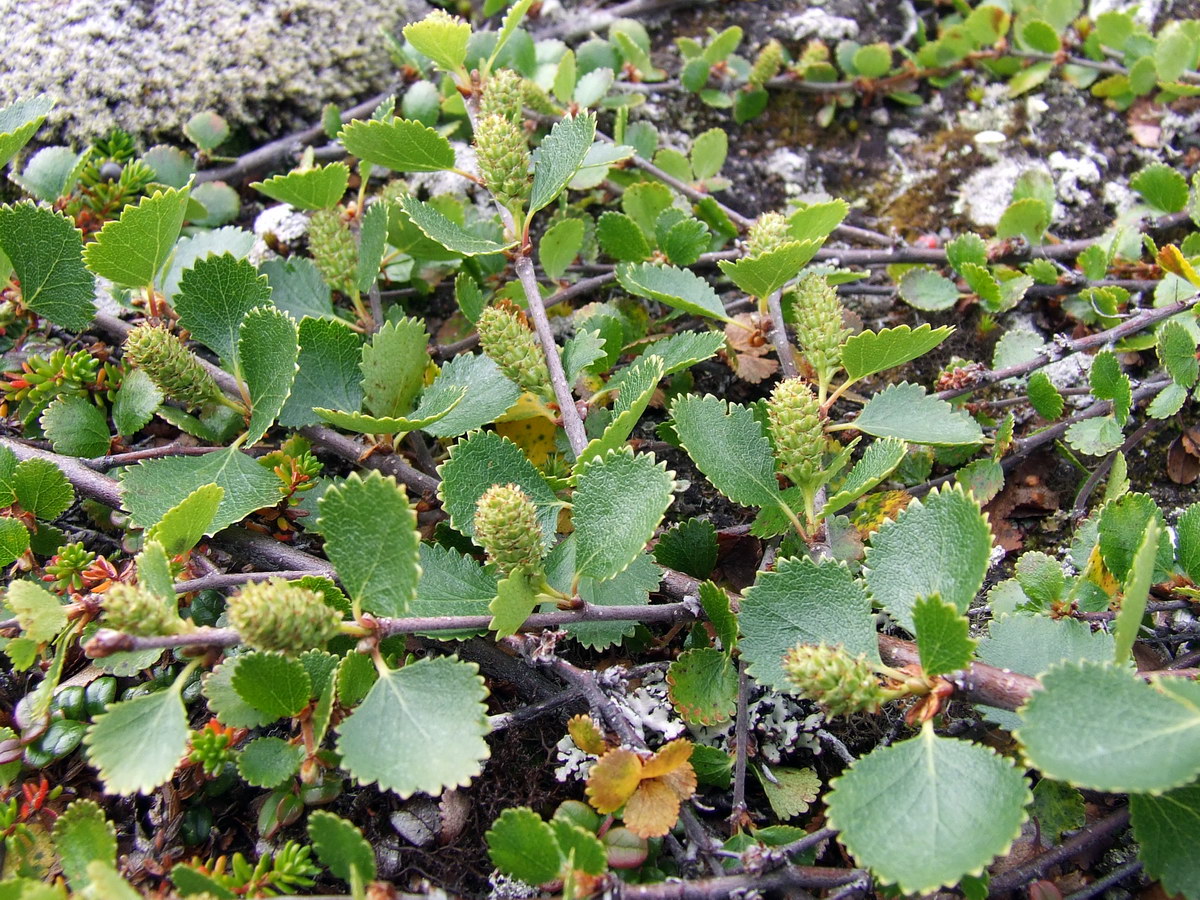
{"x": 652, "y": 810}
{"x": 668, "y": 759}
{"x": 613, "y": 780}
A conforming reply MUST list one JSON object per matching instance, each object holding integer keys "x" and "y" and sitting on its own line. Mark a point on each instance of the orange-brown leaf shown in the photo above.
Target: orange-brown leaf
{"x": 682, "y": 781}
{"x": 652, "y": 810}
{"x": 669, "y": 758}
{"x": 613, "y": 780}
{"x": 586, "y": 735}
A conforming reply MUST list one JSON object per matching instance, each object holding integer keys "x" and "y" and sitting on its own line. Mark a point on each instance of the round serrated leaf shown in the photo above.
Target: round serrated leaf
{"x": 14, "y": 539}
{"x": 619, "y": 501}
{"x": 523, "y": 846}
{"x": 341, "y": 847}
{"x": 83, "y": 835}
{"x": 678, "y": 288}
{"x": 906, "y": 412}
{"x": 952, "y": 806}
{"x": 703, "y": 686}
{"x": 400, "y": 144}
{"x": 130, "y": 250}
{"x": 431, "y": 718}
{"x": 271, "y": 683}
{"x": 926, "y": 290}
{"x": 42, "y": 489}
{"x": 137, "y": 744}
{"x": 45, "y": 250}
{"x": 939, "y": 545}
{"x": 1094, "y": 725}
{"x": 319, "y": 188}
{"x": 268, "y": 762}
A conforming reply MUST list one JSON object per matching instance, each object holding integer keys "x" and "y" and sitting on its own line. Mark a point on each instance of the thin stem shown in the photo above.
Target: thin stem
{"x": 779, "y": 336}
{"x": 1096, "y": 834}
{"x": 572, "y": 423}
{"x": 741, "y": 739}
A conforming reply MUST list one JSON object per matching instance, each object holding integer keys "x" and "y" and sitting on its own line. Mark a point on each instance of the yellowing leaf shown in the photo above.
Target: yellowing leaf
{"x": 670, "y": 758}
{"x": 1174, "y": 262}
{"x": 586, "y": 735}
{"x": 652, "y": 810}
{"x": 534, "y": 435}
{"x": 614, "y": 779}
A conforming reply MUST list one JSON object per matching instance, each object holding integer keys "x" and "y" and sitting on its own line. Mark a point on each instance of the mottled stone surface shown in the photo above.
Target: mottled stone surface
{"x": 148, "y": 65}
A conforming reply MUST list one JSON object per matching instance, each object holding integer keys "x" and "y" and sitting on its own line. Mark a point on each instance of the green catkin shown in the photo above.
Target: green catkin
{"x": 793, "y": 416}
{"x": 767, "y": 64}
{"x": 503, "y": 157}
{"x": 134, "y": 610}
{"x": 506, "y": 526}
{"x": 171, "y": 366}
{"x": 514, "y": 348}
{"x": 333, "y": 249}
{"x": 275, "y": 615}
{"x": 504, "y": 96}
{"x": 768, "y": 232}
{"x": 820, "y": 331}
{"x": 841, "y": 683}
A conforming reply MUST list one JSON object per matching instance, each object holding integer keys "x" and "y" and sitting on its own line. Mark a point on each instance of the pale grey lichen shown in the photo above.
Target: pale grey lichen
{"x": 148, "y": 65}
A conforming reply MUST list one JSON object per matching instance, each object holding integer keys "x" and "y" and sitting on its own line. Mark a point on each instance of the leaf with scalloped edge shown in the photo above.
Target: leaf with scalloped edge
{"x": 130, "y": 250}
{"x": 372, "y": 540}
{"x": 1098, "y": 436}
{"x": 341, "y": 848}
{"x": 450, "y": 235}
{"x": 317, "y": 188}
{"x": 559, "y": 157}
{"x": 1136, "y": 592}
{"x": 703, "y": 686}
{"x": 83, "y": 835}
{"x": 42, "y": 489}
{"x": 18, "y": 123}
{"x": 953, "y": 806}
{"x": 401, "y": 145}
{"x": 45, "y": 250}
{"x": 1044, "y": 397}
{"x": 876, "y": 464}
{"x": 214, "y": 297}
{"x": 523, "y": 846}
{"x": 429, "y": 412}
{"x": 1123, "y": 523}
{"x": 586, "y": 734}
{"x": 678, "y": 288}
{"x": 869, "y": 352}
{"x": 790, "y": 791}
{"x": 923, "y": 288}
{"x": 268, "y": 347}
{"x": 268, "y": 762}
{"x": 803, "y": 602}
{"x": 1092, "y": 724}
{"x": 272, "y": 683}
{"x": 441, "y": 37}
{"x": 431, "y": 717}
{"x": 944, "y": 639}
{"x": 136, "y": 744}
{"x": 1177, "y": 353}
{"x": 516, "y": 597}
{"x": 1162, "y": 187}
{"x": 1108, "y": 382}
{"x": 940, "y": 544}
{"x": 1187, "y": 529}
{"x": 729, "y": 446}
{"x": 184, "y": 524}
{"x": 40, "y": 613}
{"x": 764, "y": 274}
{"x": 637, "y": 387}
{"x": 613, "y": 779}
{"x": 690, "y": 547}
{"x": 906, "y": 412}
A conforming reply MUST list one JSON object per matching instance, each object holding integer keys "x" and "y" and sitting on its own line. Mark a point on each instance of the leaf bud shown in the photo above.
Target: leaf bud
{"x": 841, "y": 683}
{"x": 506, "y": 338}
{"x": 820, "y": 331}
{"x": 276, "y": 615}
{"x": 506, "y": 526}
{"x": 503, "y": 157}
{"x": 793, "y": 416}
{"x": 135, "y": 610}
{"x": 767, "y": 64}
{"x": 769, "y": 231}
{"x": 333, "y": 249}
{"x": 171, "y": 366}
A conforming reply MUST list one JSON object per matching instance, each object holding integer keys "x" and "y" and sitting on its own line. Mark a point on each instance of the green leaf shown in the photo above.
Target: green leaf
{"x": 1057, "y": 808}
{"x": 42, "y": 489}
{"x": 442, "y": 38}
{"x": 14, "y": 540}
{"x": 637, "y": 387}
{"x": 207, "y": 130}
{"x": 273, "y": 684}
{"x": 1040, "y": 36}
{"x": 631, "y": 588}
{"x": 940, "y": 545}
{"x": 523, "y": 846}
{"x": 267, "y": 762}
{"x": 1028, "y": 218}
{"x": 681, "y": 351}
{"x": 371, "y": 538}
{"x": 318, "y": 188}
{"x": 452, "y": 584}
{"x": 130, "y": 250}
{"x": 559, "y": 246}
{"x": 1044, "y": 397}
{"x": 154, "y": 486}
{"x": 1137, "y": 592}
{"x": 952, "y": 807}
{"x": 1092, "y": 725}
{"x": 678, "y": 288}
{"x": 1187, "y": 530}
{"x": 137, "y": 399}
{"x": 869, "y": 352}
{"x": 926, "y": 290}
{"x": 764, "y": 274}
{"x": 45, "y": 250}
{"x": 214, "y": 298}
{"x": 984, "y": 478}
{"x": 1029, "y": 78}
{"x": 817, "y": 221}
{"x": 703, "y": 686}
{"x": 621, "y": 238}
{"x": 372, "y": 241}
{"x": 967, "y": 248}
{"x": 1095, "y": 437}
{"x": 877, "y": 463}
{"x": 393, "y": 366}
{"x": 716, "y": 607}
{"x": 873, "y": 60}
{"x": 729, "y": 447}
{"x": 76, "y": 427}
{"x": 516, "y": 597}
{"x": 1123, "y": 523}
{"x": 431, "y": 717}
{"x": 943, "y": 636}
{"x": 618, "y": 503}
{"x": 1108, "y": 382}
{"x": 581, "y": 847}
{"x": 327, "y": 371}
{"x": 906, "y": 412}
{"x": 341, "y": 848}
{"x": 38, "y": 611}
{"x": 789, "y": 791}
{"x": 580, "y": 352}
{"x": 482, "y": 460}
{"x": 709, "y": 150}
{"x": 1164, "y": 189}
{"x": 226, "y": 703}
{"x": 488, "y": 394}
{"x": 136, "y": 744}
{"x": 803, "y": 602}
{"x": 684, "y": 240}
{"x": 83, "y": 835}
{"x": 1167, "y": 828}
{"x": 201, "y": 244}
{"x": 437, "y": 227}
{"x": 690, "y": 547}
{"x": 1041, "y": 577}
{"x": 1177, "y": 353}
{"x": 400, "y": 145}
{"x": 18, "y": 123}
{"x": 49, "y": 173}
{"x": 181, "y": 528}
{"x": 268, "y": 346}
{"x": 297, "y": 288}
{"x": 558, "y": 158}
